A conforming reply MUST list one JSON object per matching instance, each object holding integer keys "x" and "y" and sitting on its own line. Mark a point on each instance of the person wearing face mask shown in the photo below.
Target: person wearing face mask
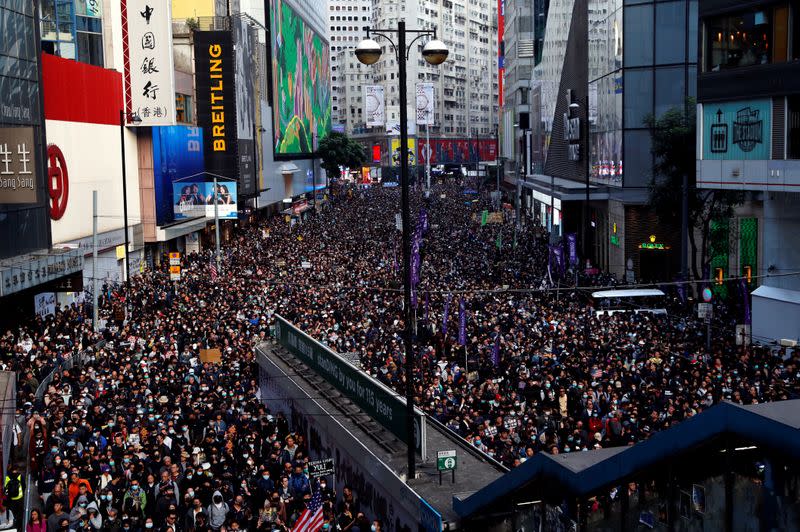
{"x": 195, "y": 510}
{"x": 106, "y": 499}
{"x": 265, "y": 485}
{"x": 217, "y": 511}
{"x": 95, "y": 517}
{"x": 112, "y": 522}
{"x": 325, "y": 491}
{"x": 79, "y": 510}
{"x": 134, "y": 502}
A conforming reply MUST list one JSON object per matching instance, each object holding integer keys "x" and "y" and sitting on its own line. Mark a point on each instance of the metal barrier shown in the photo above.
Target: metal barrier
{"x": 76, "y": 360}
{"x": 79, "y": 359}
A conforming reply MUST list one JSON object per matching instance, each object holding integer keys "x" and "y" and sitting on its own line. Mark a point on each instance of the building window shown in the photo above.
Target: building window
{"x": 183, "y": 108}
{"x": 749, "y": 38}
{"x": 793, "y": 128}
{"x": 90, "y": 48}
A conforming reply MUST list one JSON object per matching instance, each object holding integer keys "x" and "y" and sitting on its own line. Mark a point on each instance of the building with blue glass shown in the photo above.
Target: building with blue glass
{"x": 588, "y": 136}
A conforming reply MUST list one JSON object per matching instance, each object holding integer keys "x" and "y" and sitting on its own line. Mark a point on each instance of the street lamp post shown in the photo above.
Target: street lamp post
{"x": 497, "y": 153}
{"x": 435, "y": 52}
{"x": 585, "y": 244}
{"x": 134, "y": 118}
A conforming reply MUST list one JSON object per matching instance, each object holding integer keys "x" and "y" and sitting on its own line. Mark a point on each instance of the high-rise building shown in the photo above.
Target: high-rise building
{"x": 348, "y": 21}
{"x": 523, "y": 41}
{"x": 748, "y": 140}
{"x": 465, "y": 86}
{"x": 591, "y": 164}
{"x": 348, "y": 77}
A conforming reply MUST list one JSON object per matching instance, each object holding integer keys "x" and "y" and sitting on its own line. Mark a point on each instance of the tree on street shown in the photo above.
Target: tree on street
{"x": 338, "y": 150}
{"x": 674, "y": 143}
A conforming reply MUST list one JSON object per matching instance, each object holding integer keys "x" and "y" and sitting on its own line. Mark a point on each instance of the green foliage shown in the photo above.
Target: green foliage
{"x": 674, "y": 141}
{"x": 336, "y": 150}
{"x": 193, "y": 23}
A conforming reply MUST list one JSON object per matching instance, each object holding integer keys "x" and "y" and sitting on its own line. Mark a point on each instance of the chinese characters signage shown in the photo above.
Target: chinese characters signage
{"x": 737, "y": 130}
{"x": 17, "y": 165}
{"x": 38, "y": 270}
{"x": 149, "y": 91}
{"x": 216, "y": 101}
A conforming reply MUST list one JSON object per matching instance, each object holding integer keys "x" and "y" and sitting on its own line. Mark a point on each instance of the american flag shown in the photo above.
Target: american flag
{"x": 311, "y": 518}
{"x": 212, "y": 267}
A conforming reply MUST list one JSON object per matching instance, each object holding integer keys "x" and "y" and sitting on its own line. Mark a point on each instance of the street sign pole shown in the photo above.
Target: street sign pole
{"x": 447, "y": 461}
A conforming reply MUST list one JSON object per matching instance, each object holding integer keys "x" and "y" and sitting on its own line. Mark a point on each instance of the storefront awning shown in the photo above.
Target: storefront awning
{"x": 563, "y": 189}
{"x": 168, "y": 232}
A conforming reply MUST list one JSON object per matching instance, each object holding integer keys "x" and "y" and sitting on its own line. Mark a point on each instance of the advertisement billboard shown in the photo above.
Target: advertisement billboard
{"x": 425, "y": 103}
{"x": 177, "y": 153}
{"x": 148, "y": 63}
{"x": 216, "y": 101}
{"x": 412, "y": 152}
{"x": 374, "y": 105}
{"x": 301, "y": 93}
{"x": 463, "y": 151}
{"x": 244, "y": 50}
{"x": 196, "y": 199}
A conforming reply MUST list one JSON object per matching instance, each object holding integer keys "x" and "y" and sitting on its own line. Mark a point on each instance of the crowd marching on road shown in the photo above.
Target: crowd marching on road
{"x": 146, "y": 435}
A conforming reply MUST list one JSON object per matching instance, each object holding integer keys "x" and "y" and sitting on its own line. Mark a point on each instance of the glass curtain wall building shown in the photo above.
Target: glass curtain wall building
{"x": 641, "y": 61}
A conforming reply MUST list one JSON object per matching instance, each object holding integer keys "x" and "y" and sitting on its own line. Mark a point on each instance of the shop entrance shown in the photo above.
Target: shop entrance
{"x": 655, "y": 265}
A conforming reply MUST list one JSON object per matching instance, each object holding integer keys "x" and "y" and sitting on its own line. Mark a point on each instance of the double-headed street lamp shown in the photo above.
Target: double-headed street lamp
{"x": 435, "y": 52}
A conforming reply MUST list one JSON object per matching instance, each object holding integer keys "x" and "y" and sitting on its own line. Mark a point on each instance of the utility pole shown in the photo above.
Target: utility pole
{"x": 216, "y": 225}
{"x": 125, "y": 203}
{"x": 428, "y": 153}
{"x": 95, "y": 289}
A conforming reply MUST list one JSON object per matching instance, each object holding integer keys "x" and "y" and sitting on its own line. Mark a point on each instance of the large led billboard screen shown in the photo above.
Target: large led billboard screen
{"x": 301, "y": 95}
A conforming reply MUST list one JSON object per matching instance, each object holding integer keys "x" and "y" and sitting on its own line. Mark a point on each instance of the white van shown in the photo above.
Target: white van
{"x": 648, "y": 300}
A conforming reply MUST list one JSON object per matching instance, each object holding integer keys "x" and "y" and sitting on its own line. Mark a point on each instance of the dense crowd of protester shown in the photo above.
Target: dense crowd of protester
{"x": 146, "y": 435}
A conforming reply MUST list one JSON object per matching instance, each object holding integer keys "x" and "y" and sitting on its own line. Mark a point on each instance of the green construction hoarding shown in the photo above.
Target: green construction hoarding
{"x": 383, "y": 404}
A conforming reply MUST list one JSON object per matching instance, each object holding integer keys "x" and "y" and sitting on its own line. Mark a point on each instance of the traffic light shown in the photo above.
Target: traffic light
{"x": 748, "y": 274}
{"x": 719, "y": 275}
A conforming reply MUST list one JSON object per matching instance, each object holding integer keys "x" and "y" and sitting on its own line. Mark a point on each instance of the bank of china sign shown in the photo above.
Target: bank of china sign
{"x": 147, "y": 54}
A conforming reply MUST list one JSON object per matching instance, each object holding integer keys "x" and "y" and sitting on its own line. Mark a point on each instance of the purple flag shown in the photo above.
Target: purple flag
{"x": 496, "y": 351}
{"x": 462, "y": 323}
{"x": 559, "y": 251}
{"x": 572, "y": 246}
{"x": 557, "y": 258}
{"x": 746, "y": 297}
{"x": 445, "y": 313}
{"x": 413, "y": 297}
